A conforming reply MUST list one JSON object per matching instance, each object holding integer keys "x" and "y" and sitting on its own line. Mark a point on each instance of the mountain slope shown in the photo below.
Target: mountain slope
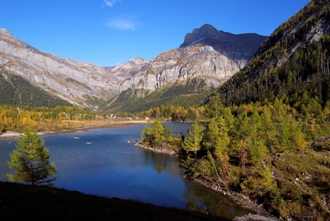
{"x": 180, "y": 65}
{"x": 294, "y": 58}
{"x": 67, "y": 79}
{"x": 210, "y": 54}
{"x": 191, "y": 93}
{"x": 195, "y": 59}
{"x": 17, "y": 91}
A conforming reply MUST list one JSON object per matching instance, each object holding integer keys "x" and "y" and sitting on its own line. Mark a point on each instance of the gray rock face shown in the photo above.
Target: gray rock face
{"x": 128, "y": 69}
{"x": 205, "y": 53}
{"x": 65, "y": 78}
{"x": 238, "y": 47}
{"x": 179, "y": 65}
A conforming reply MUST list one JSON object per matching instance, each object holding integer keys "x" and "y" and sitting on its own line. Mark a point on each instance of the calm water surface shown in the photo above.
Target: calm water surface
{"x": 103, "y": 163}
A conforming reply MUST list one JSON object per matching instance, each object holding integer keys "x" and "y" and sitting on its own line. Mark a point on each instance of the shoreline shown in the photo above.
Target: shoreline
{"x": 10, "y": 135}
{"x": 238, "y": 198}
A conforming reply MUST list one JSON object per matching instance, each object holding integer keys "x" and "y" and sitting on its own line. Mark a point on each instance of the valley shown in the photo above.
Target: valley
{"x": 259, "y": 106}
{"x": 89, "y": 86}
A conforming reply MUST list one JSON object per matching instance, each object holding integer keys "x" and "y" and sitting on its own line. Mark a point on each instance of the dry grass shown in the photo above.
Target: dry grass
{"x": 308, "y": 175}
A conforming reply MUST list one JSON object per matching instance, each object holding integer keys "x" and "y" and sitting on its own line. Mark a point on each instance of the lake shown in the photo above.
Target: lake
{"x": 102, "y": 162}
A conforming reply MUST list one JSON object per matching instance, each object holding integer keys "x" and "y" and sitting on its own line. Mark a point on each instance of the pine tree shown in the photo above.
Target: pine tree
{"x": 214, "y": 107}
{"x": 155, "y": 135}
{"x": 192, "y": 143}
{"x": 269, "y": 130}
{"x": 30, "y": 159}
{"x": 211, "y": 135}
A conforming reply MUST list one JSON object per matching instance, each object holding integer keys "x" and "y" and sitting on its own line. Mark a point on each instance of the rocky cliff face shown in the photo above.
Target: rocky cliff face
{"x": 128, "y": 69}
{"x": 179, "y": 65}
{"x": 238, "y": 47}
{"x": 205, "y": 53}
{"x": 65, "y": 78}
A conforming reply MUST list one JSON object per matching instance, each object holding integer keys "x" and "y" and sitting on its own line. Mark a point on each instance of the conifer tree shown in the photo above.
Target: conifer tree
{"x": 269, "y": 130}
{"x": 255, "y": 144}
{"x": 157, "y": 132}
{"x": 155, "y": 135}
{"x": 30, "y": 159}
{"x": 192, "y": 143}
{"x": 214, "y": 107}
{"x": 211, "y": 135}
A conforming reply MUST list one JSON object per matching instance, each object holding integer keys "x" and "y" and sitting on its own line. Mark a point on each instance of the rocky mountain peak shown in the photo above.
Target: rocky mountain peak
{"x": 4, "y": 31}
{"x": 206, "y": 31}
{"x": 138, "y": 60}
{"x": 238, "y": 47}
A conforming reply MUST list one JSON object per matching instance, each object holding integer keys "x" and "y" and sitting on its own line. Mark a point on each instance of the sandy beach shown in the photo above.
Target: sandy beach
{"x": 14, "y": 135}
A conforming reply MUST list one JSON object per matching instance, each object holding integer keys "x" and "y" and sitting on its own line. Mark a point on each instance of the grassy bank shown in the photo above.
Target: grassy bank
{"x": 18, "y": 202}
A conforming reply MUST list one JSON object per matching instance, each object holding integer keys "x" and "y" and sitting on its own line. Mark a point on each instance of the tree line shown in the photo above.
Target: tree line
{"x": 187, "y": 94}
{"x": 16, "y": 118}
{"x": 175, "y": 113}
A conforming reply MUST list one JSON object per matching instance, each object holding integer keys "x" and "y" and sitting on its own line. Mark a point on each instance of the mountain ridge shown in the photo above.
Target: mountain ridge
{"x": 238, "y": 47}
{"x": 197, "y": 59}
{"x": 56, "y": 75}
{"x": 80, "y": 82}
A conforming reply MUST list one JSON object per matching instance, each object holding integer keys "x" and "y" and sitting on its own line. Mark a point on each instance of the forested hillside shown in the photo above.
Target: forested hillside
{"x": 302, "y": 82}
{"x": 293, "y": 63}
{"x": 186, "y": 95}
{"x": 17, "y": 91}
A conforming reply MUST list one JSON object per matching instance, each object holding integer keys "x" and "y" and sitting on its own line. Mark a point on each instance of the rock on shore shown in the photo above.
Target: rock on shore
{"x": 156, "y": 149}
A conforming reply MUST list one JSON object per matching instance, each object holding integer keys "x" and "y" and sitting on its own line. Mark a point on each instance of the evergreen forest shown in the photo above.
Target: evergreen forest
{"x": 190, "y": 94}
{"x": 267, "y": 151}
{"x": 15, "y": 90}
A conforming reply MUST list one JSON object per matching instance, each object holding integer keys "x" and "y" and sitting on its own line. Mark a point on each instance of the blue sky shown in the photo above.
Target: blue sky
{"x": 108, "y": 32}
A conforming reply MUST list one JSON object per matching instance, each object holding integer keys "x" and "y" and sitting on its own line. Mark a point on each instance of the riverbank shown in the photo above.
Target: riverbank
{"x": 70, "y": 126}
{"x": 238, "y": 198}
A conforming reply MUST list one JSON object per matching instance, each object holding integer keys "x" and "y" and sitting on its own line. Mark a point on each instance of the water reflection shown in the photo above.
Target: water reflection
{"x": 162, "y": 162}
{"x": 200, "y": 199}
{"x": 111, "y": 167}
